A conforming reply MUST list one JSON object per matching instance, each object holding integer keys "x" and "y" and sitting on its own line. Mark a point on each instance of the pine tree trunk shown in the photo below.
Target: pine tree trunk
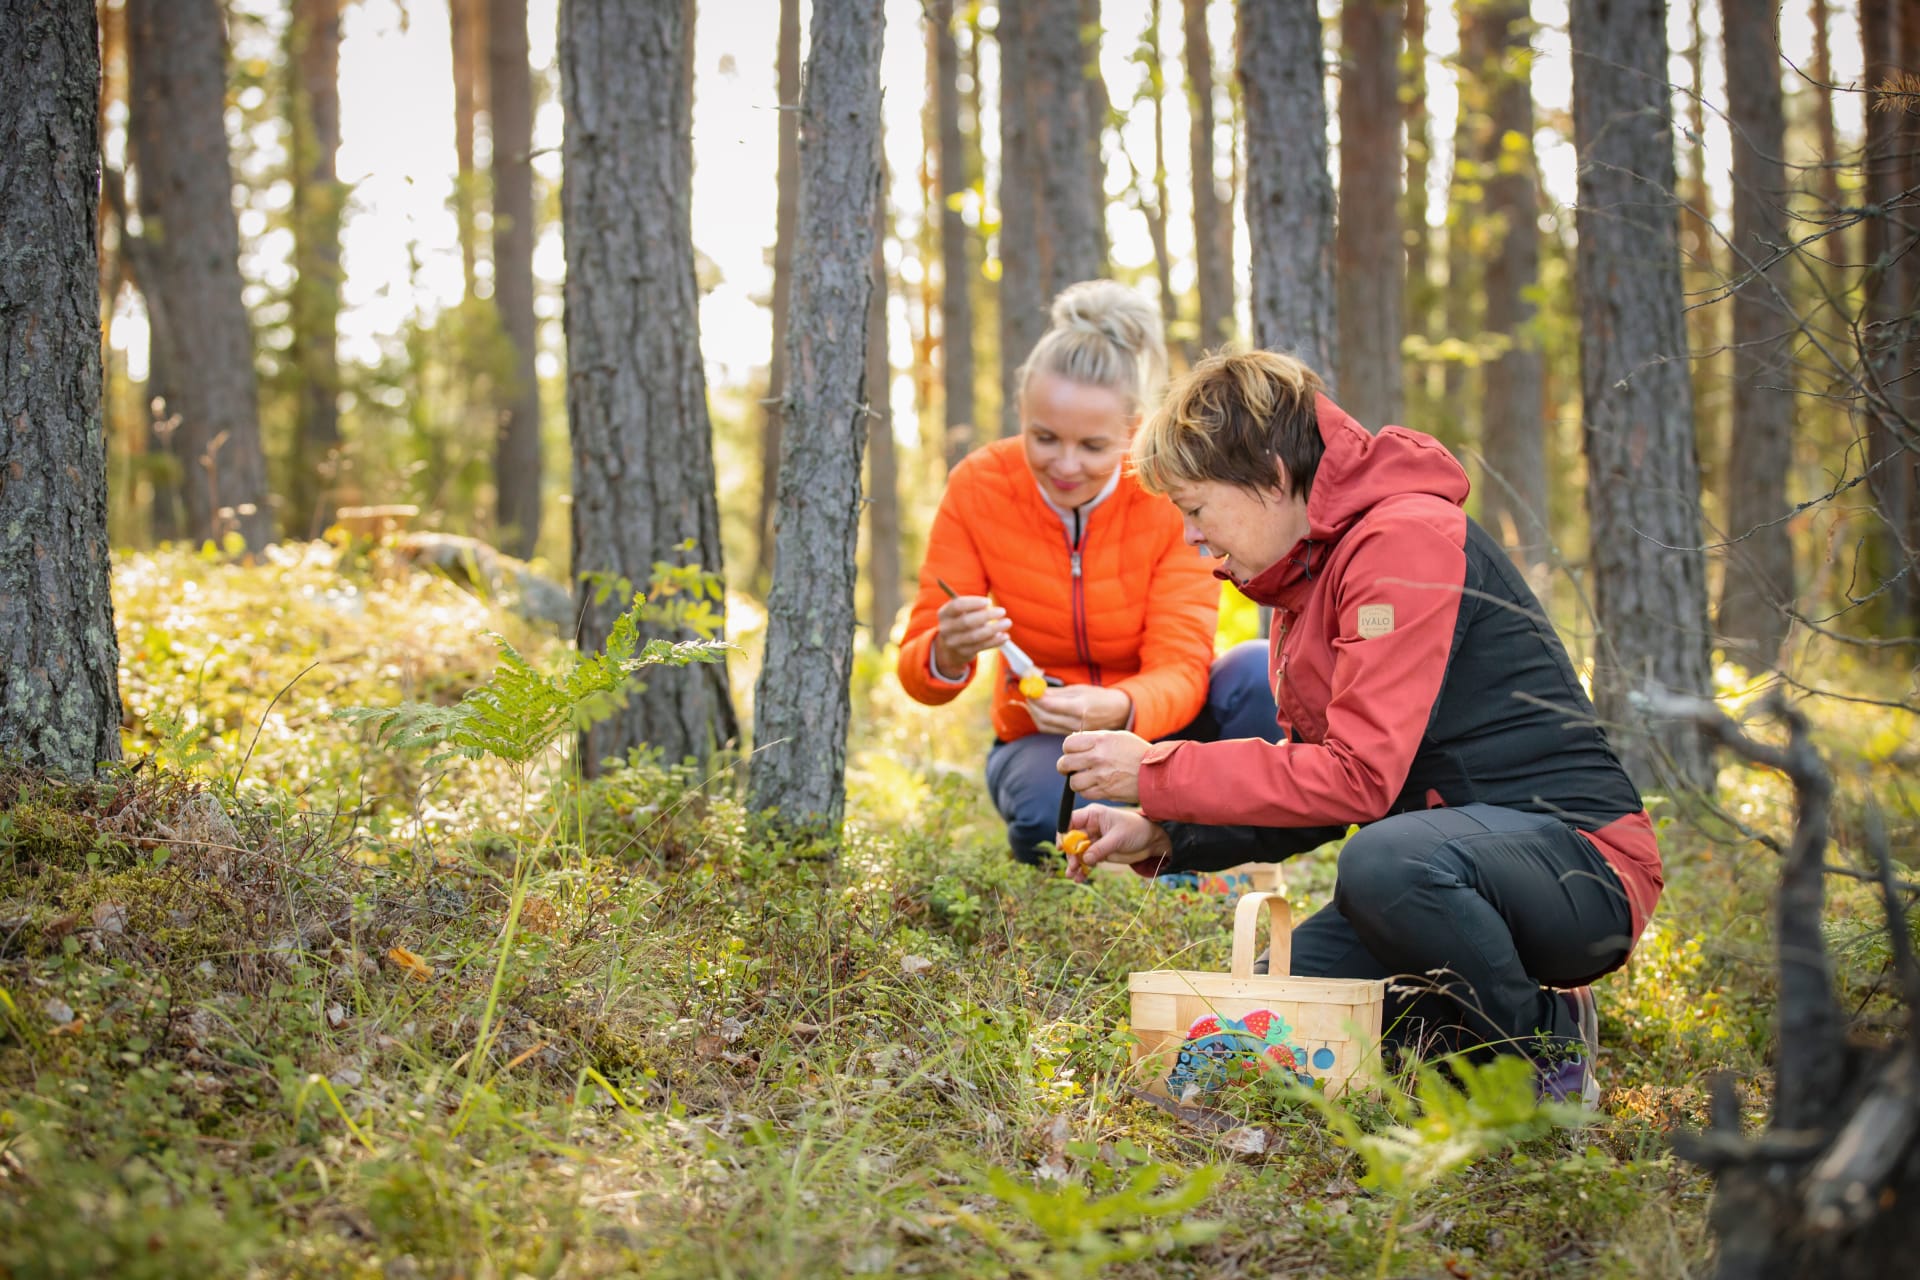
{"x": 467, "y": 23}
{"x": 643, "y": 476}
{"x": 1022, "y": 298}
{"x": 1891, "y": 414}
{"x": 1758, "y": 587}
{"x": 1212, "y": 216}
{"x": 176, "y": 51}
{"x": 1827, "y": 138}
{"x": 1156, "y": 208}
{"x": 956, "y": 268}
{"x": 1098, "y": 106}
{"x": 1369, "y": 250}
{"x": 1421, "y": 295}
{"x": 59, "y": 661}
{"x": 1513, "y": 441}
{"x": 1908, "y": 390}
{"x": 1057, "y": 154}
{"x": 800, "y": 701}
{"x": 883, "y": 467}
{"x": 1458, "y": 422}
{"x": 1649, "y": 578}
{"x": 517, "y": 461}
{"x": 318, "y": 203}
{"x": 786, "y": 218}
{"x": 1289, "y": 191}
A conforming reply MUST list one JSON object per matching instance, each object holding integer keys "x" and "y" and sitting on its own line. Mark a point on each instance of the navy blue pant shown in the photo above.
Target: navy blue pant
{"x": 1024, "y": 781}
{"x": 1472, "y": 913}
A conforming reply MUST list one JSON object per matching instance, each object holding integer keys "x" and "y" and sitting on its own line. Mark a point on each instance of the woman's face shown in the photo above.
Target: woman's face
{"x": 1247, "y": 529}
{"x": 1075, "y": 436}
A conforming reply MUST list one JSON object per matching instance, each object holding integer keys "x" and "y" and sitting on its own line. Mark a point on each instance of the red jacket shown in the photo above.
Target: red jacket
{"x": 1132, "y": 606}
{"x": 1412, "y": 667}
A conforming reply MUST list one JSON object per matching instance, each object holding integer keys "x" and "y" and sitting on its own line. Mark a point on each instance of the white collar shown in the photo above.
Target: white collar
{"x": 1086, "y": 508}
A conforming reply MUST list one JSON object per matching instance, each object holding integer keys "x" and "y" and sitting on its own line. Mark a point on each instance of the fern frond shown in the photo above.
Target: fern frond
{"x": 521, "y": 711}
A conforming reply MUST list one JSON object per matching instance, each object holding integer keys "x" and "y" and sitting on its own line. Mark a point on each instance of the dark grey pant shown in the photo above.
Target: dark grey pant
{"x": 1473, "y": 913}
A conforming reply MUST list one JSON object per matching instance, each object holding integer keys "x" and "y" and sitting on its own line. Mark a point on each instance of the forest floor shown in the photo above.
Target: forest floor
{"x": 277, "y": 1000}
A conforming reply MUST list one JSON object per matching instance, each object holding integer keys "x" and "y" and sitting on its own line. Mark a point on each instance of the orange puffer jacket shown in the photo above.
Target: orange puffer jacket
{"x": 1133, "y": 607}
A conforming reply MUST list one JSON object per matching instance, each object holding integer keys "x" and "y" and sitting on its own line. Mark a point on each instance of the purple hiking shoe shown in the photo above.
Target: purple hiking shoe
{"x": 1576, "y": 1079}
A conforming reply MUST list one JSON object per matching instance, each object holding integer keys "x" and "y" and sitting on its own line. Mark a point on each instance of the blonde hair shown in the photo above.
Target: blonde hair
{"x": 1228, "y": 418}
{"x": 1103, "y": 334}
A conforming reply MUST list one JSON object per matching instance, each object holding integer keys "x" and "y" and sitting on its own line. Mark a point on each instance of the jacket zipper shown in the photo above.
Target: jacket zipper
{"x": 1280, "y": 650}
{"x": 1080, "y": 602}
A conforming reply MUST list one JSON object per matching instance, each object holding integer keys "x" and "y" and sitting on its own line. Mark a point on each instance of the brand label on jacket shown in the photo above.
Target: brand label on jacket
{"x": 1375, "y": 620}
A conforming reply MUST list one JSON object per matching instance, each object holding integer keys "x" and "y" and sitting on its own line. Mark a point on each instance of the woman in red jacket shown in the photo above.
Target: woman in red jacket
{"x": 1427, "y": 697}
{"x": 1046, "y": 549}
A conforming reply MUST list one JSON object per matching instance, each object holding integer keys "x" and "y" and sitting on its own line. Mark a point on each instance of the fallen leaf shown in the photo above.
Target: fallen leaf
{"x": 412, "y": 964}
{"x": 539, "y": 916}
{"x": 1247, "y": 1140}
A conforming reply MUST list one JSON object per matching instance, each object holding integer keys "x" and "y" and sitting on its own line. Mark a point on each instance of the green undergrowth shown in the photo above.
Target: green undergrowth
{"x": 463, "y": 1024}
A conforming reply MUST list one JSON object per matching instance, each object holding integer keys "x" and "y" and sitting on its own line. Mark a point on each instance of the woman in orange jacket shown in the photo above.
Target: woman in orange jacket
{"x": 1047, "y": 550}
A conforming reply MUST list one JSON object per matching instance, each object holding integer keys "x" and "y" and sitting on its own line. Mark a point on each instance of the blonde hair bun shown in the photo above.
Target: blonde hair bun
{"x": 1103, "y": 334}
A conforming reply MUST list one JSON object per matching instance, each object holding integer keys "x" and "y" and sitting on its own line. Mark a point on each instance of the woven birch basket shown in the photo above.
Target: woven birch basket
{"x": 1197, "y": 1031}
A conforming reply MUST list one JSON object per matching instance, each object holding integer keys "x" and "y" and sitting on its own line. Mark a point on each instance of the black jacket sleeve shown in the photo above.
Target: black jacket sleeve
{"x": 1198, "y": 847}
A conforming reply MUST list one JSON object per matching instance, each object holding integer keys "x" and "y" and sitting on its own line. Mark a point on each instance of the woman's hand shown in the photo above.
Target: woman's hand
{"x": 1074, "y": 707}
{"x": 1104, "y": 765}
{"x": 1125, "y": 836}
{"x": 968, "y": 626}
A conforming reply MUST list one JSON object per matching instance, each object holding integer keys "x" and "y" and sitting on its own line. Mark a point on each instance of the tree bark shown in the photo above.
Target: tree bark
{"x": 319, "y": 201}
{"x": 1419, "y": 127}
{"x": 1212, "y": 216}
{"x": 956, "y": 266}
{"x": 786, "y": 217}
{"x": 176, "y": 53}
{"x": 1289, "y": 192}
{"x": 1827, "y": 137}
{"x": 467, "y": 23}
{"x": 643, "y": 475}
{"x": 59, "y": 661}
{"x": 1370, "y": 255}
{"x": 1758, "y": 587}
{"x": 1049, "y": 154}
{"x": 1887, "y": 244}
{"x": 800, "y": 701}
{"x": 883, "y": 467}
{"x": 517, "y": 460}
{"x": 1513, "y": 442}
{"x": 1421, "y": 296}
{"x": 1649, "y": 577}
{"x": 1155, "y": 207}
{"x": 1022, "y": 299}
{"x": 1457, "y": 422}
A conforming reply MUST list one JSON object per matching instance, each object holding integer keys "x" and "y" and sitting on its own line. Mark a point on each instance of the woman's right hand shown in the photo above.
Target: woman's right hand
{"x": 968, "y": 626}
{"x": 1125, "y": 836}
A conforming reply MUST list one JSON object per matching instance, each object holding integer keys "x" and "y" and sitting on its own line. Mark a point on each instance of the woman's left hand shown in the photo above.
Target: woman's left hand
{"x": 1071, "y": 708}
{"x": 1104, "y": 765}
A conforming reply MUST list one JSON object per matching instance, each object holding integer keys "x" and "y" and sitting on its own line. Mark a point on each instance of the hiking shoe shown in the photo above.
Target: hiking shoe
{"x": 1576, "y": 1078}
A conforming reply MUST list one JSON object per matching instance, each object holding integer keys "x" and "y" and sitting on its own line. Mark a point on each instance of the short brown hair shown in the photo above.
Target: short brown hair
{"x": 1228, "y": 418}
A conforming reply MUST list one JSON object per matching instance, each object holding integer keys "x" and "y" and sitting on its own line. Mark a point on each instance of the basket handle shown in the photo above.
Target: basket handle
{"x": 1246, "y": 926}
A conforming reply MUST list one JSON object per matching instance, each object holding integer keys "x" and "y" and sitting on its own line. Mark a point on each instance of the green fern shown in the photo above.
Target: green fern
{"x": 521, "y": 711}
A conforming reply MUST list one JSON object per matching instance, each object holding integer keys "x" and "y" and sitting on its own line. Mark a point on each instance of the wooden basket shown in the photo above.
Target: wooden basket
{"x": 1196, "y": 1031}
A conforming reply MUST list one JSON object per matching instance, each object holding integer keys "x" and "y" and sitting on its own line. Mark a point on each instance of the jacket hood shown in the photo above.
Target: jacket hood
{"x": 1357, "y": 471}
